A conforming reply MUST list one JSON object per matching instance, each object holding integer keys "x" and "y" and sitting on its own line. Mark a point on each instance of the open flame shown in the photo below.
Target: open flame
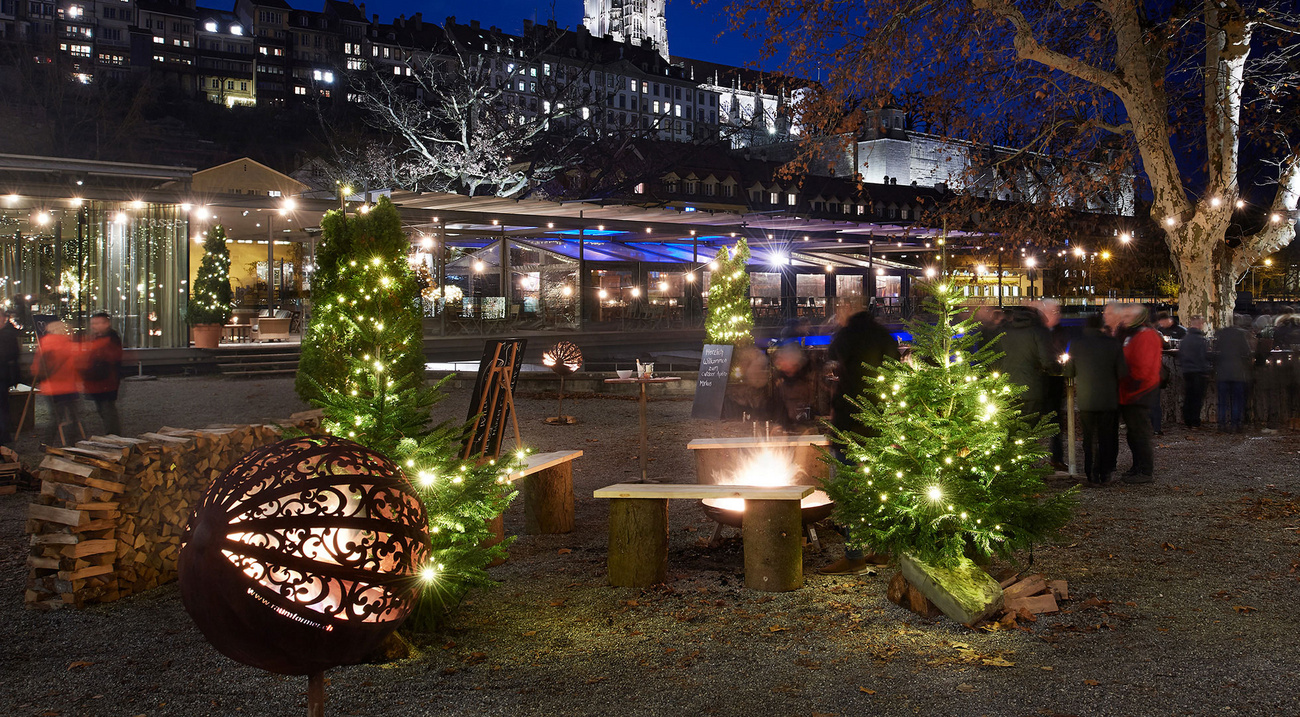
{"x": 767, "y": 467}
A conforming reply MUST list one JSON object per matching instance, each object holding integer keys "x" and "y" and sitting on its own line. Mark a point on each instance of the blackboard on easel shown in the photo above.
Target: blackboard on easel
{"x": 493, "y": 399}
{"x": 711, "y": 386}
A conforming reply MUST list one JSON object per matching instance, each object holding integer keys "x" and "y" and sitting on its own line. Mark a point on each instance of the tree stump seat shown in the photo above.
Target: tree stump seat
{"x": 547, "y": 487}
{"x": 772, "y": 532}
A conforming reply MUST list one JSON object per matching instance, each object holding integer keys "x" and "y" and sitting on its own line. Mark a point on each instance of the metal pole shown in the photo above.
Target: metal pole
{"x": 1072, "y": 457}
{"x": 270, "y": 261}
{"x": 441, "y": 276}
{"x": 999, "y": 277}
{"x": 580, "y": 296}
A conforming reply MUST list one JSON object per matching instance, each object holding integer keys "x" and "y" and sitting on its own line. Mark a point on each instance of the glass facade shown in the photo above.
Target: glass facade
{"x": 71, "y": 259}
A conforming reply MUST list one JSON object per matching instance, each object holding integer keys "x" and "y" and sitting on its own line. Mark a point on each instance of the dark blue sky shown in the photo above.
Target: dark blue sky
{"x": 692, "y": 32}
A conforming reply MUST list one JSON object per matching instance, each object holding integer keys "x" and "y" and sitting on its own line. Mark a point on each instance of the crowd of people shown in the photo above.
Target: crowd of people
{"x": 65, "y": 368}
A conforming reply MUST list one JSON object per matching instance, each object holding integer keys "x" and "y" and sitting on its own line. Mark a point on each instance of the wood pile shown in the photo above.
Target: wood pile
{"x": 13, "y": 477}
{"x": 112, "y": 510}
{"x": 1023, "y": 597}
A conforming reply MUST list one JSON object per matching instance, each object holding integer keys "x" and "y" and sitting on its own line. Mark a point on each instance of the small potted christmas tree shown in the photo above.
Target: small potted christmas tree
{"x": 953, "y": 474}
{"x": 210, "y": 306}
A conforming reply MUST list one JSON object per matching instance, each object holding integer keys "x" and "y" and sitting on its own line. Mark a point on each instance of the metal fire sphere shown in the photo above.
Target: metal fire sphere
{"x": 305, "y": 555}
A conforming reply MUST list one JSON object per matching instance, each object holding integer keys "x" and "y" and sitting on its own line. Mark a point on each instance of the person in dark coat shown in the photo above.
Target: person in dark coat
{"x": 1169, "y": 328}
{"x": 1054, "y": 380}
{"x": 1194, "y": 364}
{"x": 1234, "y": 359}
{"x": 1096, "y": 363}
{"x": 10, "y": 371}
{"x": 856, "y": 351}
{"x": 1027, "y": 358}
{"x": 101, "y": 371}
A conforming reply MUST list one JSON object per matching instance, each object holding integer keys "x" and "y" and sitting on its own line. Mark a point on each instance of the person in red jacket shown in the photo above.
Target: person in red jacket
{"x": 1143, "y": 349}
{"x": 55, "y": 372}
{"x": 101, "y": 370}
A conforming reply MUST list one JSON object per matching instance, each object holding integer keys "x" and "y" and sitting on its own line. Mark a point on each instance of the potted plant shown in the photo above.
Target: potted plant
{"x": 210, "y": 305}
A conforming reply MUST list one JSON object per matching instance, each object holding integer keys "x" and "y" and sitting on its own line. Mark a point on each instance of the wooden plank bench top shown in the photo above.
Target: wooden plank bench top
{"x": 815, "y": 439}
{"x": 697, "y": 491}
{"x": 538, "y": 462}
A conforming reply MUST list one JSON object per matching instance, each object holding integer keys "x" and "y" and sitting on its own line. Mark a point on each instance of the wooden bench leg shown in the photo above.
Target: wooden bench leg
{"x": 773, "y": 535}
{"x": 548, "y": 500}
{"x": 638, "y": 541}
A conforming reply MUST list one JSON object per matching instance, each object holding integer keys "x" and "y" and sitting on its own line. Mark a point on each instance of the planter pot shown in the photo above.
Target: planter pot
{"x": 206, "y": 336}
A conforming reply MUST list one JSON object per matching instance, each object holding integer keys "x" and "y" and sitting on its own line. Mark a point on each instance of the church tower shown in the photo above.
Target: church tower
{"x": 630, "y": 21}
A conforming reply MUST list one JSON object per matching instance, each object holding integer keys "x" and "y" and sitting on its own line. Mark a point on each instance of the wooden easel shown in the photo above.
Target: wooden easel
{"x": 498, "y": 378}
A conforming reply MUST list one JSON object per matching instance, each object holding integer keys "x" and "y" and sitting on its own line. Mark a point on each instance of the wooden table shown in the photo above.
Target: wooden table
{"x": 239, "y": 333}
{"x": 645, "y": 437}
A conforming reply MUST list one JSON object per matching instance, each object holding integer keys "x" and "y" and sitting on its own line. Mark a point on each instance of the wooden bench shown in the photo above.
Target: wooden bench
{"x": 548, "y": 492}
{"x": 638, "y": 531}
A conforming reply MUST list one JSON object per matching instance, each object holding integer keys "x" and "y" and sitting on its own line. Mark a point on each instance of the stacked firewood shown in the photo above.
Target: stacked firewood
{"x": 12, "y": 476}
{"x": 112, "y": 510}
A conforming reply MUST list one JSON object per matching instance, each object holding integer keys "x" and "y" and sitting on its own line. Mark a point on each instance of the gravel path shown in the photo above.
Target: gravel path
{"x": 1193, "y": 579}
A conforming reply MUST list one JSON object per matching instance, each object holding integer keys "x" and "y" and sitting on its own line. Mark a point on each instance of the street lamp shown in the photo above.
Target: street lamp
{"x": 1030, "y": 262}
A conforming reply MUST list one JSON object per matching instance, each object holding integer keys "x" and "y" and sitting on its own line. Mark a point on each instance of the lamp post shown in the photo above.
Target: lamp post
{"x": 1030, "y": 262}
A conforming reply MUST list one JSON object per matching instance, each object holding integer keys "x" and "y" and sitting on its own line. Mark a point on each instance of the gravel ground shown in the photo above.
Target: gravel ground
{"x": 1182, "y": 590}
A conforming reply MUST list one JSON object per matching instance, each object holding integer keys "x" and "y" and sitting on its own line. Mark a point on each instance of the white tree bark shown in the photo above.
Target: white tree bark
{"x": 1195, "y": 230}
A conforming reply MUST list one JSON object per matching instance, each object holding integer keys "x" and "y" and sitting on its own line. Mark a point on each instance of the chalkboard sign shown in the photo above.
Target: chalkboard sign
{"x": 492, "y": 402}
{"x": 711, "y": 387}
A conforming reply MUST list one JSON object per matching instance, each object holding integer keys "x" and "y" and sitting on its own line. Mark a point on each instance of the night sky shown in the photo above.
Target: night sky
{"x": 692, "y": 32}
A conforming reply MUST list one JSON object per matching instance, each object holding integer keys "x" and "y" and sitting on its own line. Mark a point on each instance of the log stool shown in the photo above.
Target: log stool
{"x": 638, "y": 532}
{"x": 548, "y": 492}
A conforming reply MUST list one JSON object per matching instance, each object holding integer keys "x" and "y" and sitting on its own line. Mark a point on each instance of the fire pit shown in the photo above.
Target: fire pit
{"x": 759, "y": 462}
{"x": 731, "y": 511}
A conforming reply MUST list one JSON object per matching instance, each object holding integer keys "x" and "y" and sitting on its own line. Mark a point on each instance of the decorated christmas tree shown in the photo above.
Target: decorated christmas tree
{"x": 372, "y": 389}
{"x": 730, "y": 318}
{"x": 212, "y": 299}
{"x": 954, "y": 471}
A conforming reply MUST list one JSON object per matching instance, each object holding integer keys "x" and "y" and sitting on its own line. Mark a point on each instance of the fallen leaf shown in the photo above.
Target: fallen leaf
{"x": 87, "y": 663}
{"x": 863, "y": 689}
{"x": 1094, "y": 683}
{"x": 564, "y": 551}
{"x": 1046, "y": 667}
{"x": 557, "y": 603}
{"x": 777, "y": 628}
{"x": 966, "y": 687}
{"x": 530, "y": 633}
{"x": 594, "y": 680}
{"x": 631, "y": 603}
{"x": 1236, "y": 608}
{"x": 998, "y": 662}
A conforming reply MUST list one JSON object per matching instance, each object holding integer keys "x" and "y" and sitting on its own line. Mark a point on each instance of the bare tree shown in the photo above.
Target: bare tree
{"x": 460, "y": 122}
{"x": 1185, "y": 84}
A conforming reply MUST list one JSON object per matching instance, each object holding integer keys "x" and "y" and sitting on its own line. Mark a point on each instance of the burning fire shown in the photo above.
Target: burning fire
{"x": 768, "y": 467}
